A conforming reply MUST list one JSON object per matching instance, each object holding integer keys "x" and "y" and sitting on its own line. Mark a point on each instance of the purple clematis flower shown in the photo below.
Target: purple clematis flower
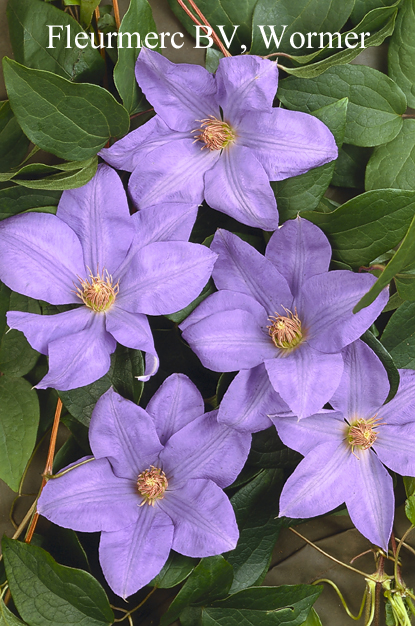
{"x": 155, "y": 483}
{"x": 120, "y": 267}
{"x": 217, "y": 137}
{"x": 282, "y": 319}
{"x": 345, "y": 449}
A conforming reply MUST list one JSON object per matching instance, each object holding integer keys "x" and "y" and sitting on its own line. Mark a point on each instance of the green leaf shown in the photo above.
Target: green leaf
{"x": 361, "y": 7}
{"x": 17, "y": 357}
{"x": 305, "y": 191}
{"x": 48, "y": 593}
{"x": 4, "y": 307}
{"x": 405, "y": 283}
{"x": 312, "y": 619}
{"x": 403, "y": 257}
{"x": 13, "y": 141}
{"x": 349, "y": 169}
{"x": 409, "y": 483}
{"x": 367, "y": 225}
{"x": 379, "y": 22}
{"x": 268, "y": 451}
{"x": 399, "y": 336}
{"x": 71, "y": 121}
{"x": 410, "y": 509}
{"x": 19, "y": 418}
{"x": 138, "y": 19}
{"x": 256, "y": 507}
{"x": 126, "y": 364}
{"x": 393, "y": 164}
{"x": 14, "y": 200}
{"x": 387, "y": 361}
{"x": 226, "y": 13}
{"x": 29, "y": 34}
{"x": 68, "y": 175}
{"x": 176, "y": 569}
{"x": 7, "y": 618}
{"x": 212, "y": 59}
{"x": 87, "y": 10}
{"x": 211, "y": 579}
{"x": 269, "y": 606}
{"x": 401, "y": 52}
{"x": 375, "y": 102}
{"x": 64, "y": 546}
{"x": 181, "y": 315}
{"x": 299, "y": 16}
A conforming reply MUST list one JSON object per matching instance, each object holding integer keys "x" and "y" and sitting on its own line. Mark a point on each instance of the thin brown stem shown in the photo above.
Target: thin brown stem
{"x": 408, "y": 116}
{"x": 278, "y": 54}
{"x": 141, "y": 113}
{"x": 116, "y": 14}
{"x": 48, "y": 466}
{"x": 204, "y": 24}
{"x": 329, "y": 556}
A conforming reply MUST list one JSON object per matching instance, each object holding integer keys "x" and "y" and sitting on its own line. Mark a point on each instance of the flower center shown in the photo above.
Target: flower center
{"x": 285, "y": 330}
{"x": 97, "y": 293}
{"x": 362, "y": 434}
{"x": 215, "y": 134}
{"x": 151, "y": 484}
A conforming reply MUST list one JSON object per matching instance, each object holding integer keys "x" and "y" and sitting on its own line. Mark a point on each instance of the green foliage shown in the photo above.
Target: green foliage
{"x": 13, "y": 142}
{"x": 176, "y": 569}
{"x": 138, "y": 19}
{"x": 256, "y": 507}
{"x": 210, "y": 580}
{"x": 399, "y": 336}
{"x": 410, "y": 509}
{"x": 361, "y": 7}
{"x": 17, "y": 357}
{"x": 53, "y": 177}
{"x": 305, "y": 191}
{"x": 375, "y": 106}
{"x": 393, "y": 164}
{"x": 7, "y": 618}
{"x": 366, "y": 226}
{"x": 401, "y": 60}
{"x": 299, "y": 16}
{"x": 29, "y": 35}
{"x": 19, "y": 418}
{"x": 268, "y": 451}
{"x": 18, "y": 199}
{"x": 48, "y": 593}
{"x": 69, "y": 120}
{"x": 387, "y": 361}
{"x": 349, "y": 169}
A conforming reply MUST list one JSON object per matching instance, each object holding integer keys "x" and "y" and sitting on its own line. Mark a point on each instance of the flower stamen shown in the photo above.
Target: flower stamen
{"x": 362, "y": 434}
{"x": 151, "y": 484}
{"x": 285, "y": 330}
{"x": 98, "y": 292}
{"x": 214, "y": 134}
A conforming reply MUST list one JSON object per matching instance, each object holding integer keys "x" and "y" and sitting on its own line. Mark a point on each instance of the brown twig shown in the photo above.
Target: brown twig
{"x": 116, "y": 14}
{"x": 141, "y": 113}
{"x": 204, "y": 24}
{"x": 48, "y": 467}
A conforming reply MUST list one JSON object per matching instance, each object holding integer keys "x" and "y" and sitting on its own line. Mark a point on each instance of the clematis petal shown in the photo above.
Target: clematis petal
{"x": 181, "y": 94}
{"x": 40, "y": 257}
{"x": 364, "y": 385}
{"x": 130, "y": 558}
{"x": 306, "y": 379}
{"x": 287, "y": 143}
{"x": 125, "y": 434}
{"x": 95, "y": 212}
{"x": 245, "y": 83}
{"x": 174, "y": 223}
{"x": 395, "y": 447}
{"x": 229, "y": 341}
{"x": 370, "y": 501}
{"x": 171, "y": 173}
{"x": 130, "y": 329}
{"x": 164, "y": 277}
{"x": 319, "y": 483}
{"x": 40, "y": 330}
{"x": 248, "y": 401}
{"x": 225, "y": 300}
{"x": 203, "y": 518}
{"x": 240, "y": 267}
{"x": 152, "y": 364}
{"x": 205, "y": 449}
{"x": 299, "y": 250}
{"x": 305, "y": 435}
{"x": 90, "y": 498}
{"x": 401, "y": 408}
{"x": 128, "y": 151}
{"x": 176, "y": 403}
{"x": 326, "y": 303}
{"x": 238, "y": 186}
{"x": 80, "y": 359}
